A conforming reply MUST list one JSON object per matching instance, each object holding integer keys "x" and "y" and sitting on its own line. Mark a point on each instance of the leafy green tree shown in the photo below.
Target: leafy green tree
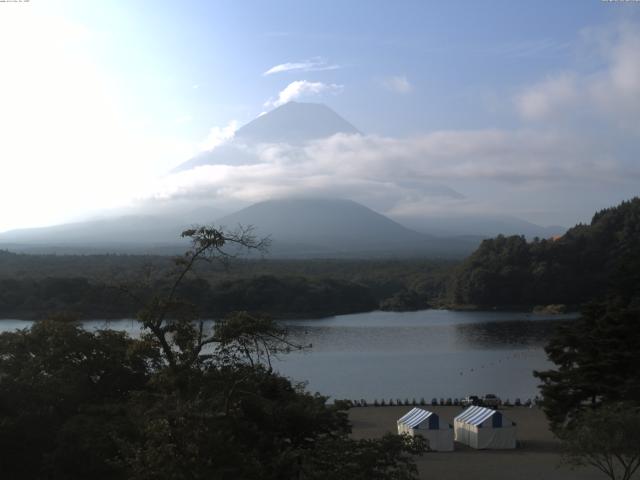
{"x": 404, "y": 301}
{"x": 62, "y": 395}
{"x": 589, "y": 262}
{"x": 389, "y": 458}
{"x": 596, "y": 358}
{"x": 607, "y": 438}
{"x": 220, "y": 411}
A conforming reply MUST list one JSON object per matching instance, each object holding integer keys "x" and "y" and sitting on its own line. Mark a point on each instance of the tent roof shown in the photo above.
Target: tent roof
{"x": 415, "y": 417}
{"x": 475, "y": 415}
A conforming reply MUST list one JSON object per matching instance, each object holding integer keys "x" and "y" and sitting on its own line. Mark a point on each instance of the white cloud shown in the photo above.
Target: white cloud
{"x": 402, "y": 176}
{"x": 301, "y": 88}
{"x": 219, "y": 135}
{"x": 548, "y": 96}
{"x": 312, "y": 65}
{"x": 610, "y": 92}
{"x": 397, "y": 84}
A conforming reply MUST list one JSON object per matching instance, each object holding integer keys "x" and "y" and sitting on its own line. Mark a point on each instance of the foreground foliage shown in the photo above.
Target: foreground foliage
{"x": 592, "y": 396}
{"x": 607, "y": 438}
{"x": 596, "y": 358}
{"x": 180, "y": 402}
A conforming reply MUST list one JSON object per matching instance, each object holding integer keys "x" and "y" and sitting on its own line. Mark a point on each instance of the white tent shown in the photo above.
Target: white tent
{"x": 427, "y": 424}
{"x": 481, "y": 427}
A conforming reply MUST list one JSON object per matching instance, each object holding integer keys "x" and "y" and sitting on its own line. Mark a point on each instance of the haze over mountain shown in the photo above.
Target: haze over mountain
{"x": 324, "y": 226}
{"x": 482, "y": 225}
{"x": 299, "y": 226}
{"x": 123, "y": 234}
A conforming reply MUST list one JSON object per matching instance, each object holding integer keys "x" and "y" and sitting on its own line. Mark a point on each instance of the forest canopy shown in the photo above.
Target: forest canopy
{"x": 32, "y": 286}
{"x": 587, "y": 263}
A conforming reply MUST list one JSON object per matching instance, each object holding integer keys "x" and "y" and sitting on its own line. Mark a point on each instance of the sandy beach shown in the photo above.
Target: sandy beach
{"x": 536, "y": 458}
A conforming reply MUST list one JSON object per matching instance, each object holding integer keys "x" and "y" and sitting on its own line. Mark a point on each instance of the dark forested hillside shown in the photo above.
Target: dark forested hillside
{"x": 33, "y": 286}
{"x": 280, "y": 297}
{"x": 588, "y": 262}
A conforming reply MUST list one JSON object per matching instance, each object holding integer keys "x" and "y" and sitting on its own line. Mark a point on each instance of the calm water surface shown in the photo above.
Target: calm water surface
{"x": 433, "y": 353}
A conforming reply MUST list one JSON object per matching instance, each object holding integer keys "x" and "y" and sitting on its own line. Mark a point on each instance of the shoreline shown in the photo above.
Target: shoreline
{"x": 569, "y": 314}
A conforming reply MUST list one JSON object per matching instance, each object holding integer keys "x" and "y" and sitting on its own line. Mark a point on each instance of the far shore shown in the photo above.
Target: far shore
{"x": 36, "y": 316}
{"x": 537, "y": 457}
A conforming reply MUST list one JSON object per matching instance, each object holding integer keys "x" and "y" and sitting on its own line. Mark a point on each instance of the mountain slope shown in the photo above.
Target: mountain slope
{"x": 298, "y": 227}
{"x": 294, "y": 122}
{"x": 483, "y": 225}
{"x": 291, "y": 123}
{"x": 322, "y": 227}
{"x": 130, "y": 233}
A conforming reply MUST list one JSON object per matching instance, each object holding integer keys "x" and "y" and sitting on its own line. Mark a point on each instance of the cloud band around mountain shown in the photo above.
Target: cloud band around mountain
{"x": 402, "y": 175}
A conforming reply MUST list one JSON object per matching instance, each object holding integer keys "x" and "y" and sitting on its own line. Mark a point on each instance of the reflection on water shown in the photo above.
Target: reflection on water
{"x": 503, "y": 334}
{"x": 434, "y": 353}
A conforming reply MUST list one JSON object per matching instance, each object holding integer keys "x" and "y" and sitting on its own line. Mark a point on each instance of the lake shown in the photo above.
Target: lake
{"x": 432, "y": 353}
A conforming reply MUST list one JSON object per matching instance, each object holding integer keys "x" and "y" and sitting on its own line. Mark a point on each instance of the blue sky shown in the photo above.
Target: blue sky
{"x": 130, "y": 89}
{"x": 458, "y": 56}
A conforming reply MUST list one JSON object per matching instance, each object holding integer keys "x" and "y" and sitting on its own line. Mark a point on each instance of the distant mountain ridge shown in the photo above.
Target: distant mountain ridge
{"x": 480, "y": 224}
{"x": 298, "y": 227}
{"x": 129, "y": 233}
{"x": 330, "y": 226}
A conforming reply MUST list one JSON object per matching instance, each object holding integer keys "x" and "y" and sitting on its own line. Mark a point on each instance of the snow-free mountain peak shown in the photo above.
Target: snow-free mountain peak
{"x": 293, "y": 123}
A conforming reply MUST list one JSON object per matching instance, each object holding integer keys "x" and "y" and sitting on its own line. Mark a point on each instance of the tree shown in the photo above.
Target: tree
{"x": 221, "y": 412}
{"x": 596, "y": 358}
{"x": 180, "y": 402}
{"x": 607, "y": 438}
{"x": 390, "y": 457}
{"x": 588, "y": 263}
{"x": 173, "y": 322}
{"x": 254, "y": 339}
{"x": 60, "y": 386}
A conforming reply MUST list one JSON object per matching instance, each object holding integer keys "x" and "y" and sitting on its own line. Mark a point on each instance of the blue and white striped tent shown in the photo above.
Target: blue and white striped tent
{"x": 427, "y": 424}
{"x": 481, "y": 427}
